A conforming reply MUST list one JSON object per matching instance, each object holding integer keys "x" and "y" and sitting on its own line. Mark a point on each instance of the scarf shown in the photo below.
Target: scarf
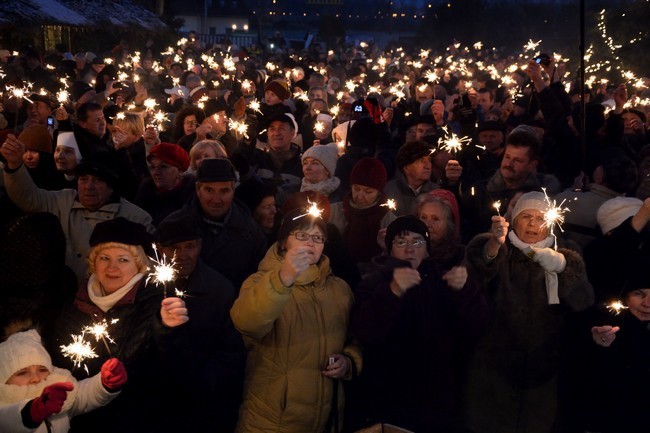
{"x": 325, "y": 187}
{"x": 550, "y": 277}
{"x": 106, "y": 302}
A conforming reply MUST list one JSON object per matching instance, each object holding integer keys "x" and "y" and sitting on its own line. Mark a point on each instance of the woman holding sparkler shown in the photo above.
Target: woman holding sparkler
{"x": 294, "y": 316}
{"x": 138, "y": 320}
{"x": 533, "y": 289}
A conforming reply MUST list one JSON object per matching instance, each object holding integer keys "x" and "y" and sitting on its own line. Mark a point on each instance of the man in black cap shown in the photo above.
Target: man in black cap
{"x": 483, "y": 159}
{"x": 211, "y": 352}
{"x": 232, "y": 243}
{"x": 78, "y": 212}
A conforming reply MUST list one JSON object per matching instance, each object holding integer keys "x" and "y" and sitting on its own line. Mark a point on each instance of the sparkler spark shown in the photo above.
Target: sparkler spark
{"x": 239, "y": 127}
{"x": 390, "y": 204}
{"x": 78, "y": 351}
{"x": 532, "y": 46}
{"x": 616, "y": 307}
{"x": 554, "y": 216}
{"x": 452, "y": 143}
{"x": 319, "y": 126}
{"x": 313, "y": 210}
{"x": 164, "y": 271}
{"x": 497, "y": 205}
{"x": 255, "y": 106}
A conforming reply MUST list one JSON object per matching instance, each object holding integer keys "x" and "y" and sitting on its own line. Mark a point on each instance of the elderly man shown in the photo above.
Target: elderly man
{"x": 212, "y": 353}
{"x": 232, "y": 243}
{"x": 78, "y": 212}
{"x": 280, "y": 163}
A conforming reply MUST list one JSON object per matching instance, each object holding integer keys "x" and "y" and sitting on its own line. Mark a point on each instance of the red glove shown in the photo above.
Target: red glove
{"x": 50, "y": 401}
{"x": 113, "y": 374}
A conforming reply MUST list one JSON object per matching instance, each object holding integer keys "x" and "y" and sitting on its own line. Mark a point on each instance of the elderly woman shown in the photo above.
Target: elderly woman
{"x": 294, "y": 316}
{"x": 362, "y": 213}
{"x": 438, "y": 210}
{"x": 413, "y": 320}
{"x": 533, "y": 288}
{"x": 140, "y": 322}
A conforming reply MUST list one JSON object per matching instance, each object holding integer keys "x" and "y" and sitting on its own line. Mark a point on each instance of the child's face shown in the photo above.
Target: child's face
{"x": 29, "y": 375}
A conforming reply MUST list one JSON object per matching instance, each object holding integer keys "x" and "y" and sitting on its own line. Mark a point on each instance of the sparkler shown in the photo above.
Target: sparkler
{"x": 313, "y": 210}
{"x": 496, "y": 205}
{"x": 239, "y": 127}
{"x": 63, "y": 96}
{"x": 78, "y": 351}
{"x": 100, "y": 331}
{"x": 532, "y": 46}
{"x": 255, "y": 106}
{"x": 390, "y": 204}
{"x": 319, "y": 126}
{"x": 453, "y": 143}
{"x": 616, "y": 307}
{"x": 19, "y": 93}
{"x": 554, "y": 216}
{"x": 164, "y": 271}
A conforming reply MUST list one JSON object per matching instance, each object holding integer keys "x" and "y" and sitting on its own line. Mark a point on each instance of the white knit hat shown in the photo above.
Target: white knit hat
{"x": 21, "y": 350}
{"x": 340, "y": 133}
{"x": 67, "y": 139}
{"x": 613, "y": 212}
{"x": 326, "y": 154}
{"x": 530, "y": 200}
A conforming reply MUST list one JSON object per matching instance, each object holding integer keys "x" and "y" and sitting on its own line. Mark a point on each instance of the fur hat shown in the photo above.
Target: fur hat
{"x": 530, "y": 200}
{"x": 406, "y": 223}
{"x": 615, "y": 211}
{"x": 98, "y": 170}
{"x": 411, "y": 152}
{"x": 216, "y": 170}
{"x": 369, "y": 172}
{"x": 36, "y": 137}
{"x": 21, "y": 350}
{"x": 280, "y": 88}
{"x": 67, "y": 139}
{"x": 171, "y": 154}
{"x": 177, "y": 227}
{"x": 123, "y": 231}
{"x": 326, "y": 154}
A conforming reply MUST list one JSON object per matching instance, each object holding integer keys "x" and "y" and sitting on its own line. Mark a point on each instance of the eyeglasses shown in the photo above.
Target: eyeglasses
{"x": 403, "y": 243}
{"x": 190, "y": 122}
{"x": 303, "y": 236}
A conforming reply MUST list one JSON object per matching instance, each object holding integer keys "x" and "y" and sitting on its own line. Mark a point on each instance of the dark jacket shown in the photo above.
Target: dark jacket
{"x": 413, "y": 346}
{"x": 236, "y": 248}
{"x": 139, "y": 338}
{"x": 159, "y": 204}
{"x": 512, "y": 379}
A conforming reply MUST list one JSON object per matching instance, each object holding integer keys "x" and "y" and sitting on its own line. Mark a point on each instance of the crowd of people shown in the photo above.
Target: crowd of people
{"x": 357, "y": 236}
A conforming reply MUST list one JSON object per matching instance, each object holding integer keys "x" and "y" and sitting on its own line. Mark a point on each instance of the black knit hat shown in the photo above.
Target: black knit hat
{"x": 407, "y": 223}
{"x": 253, "y": 191}
{"x": 123, "y": 231}
{"x": 411, "y": 152}
{"x": 637, "y": 274}
{"x": 98, "y": 170}
{"x": 177, "y": 227}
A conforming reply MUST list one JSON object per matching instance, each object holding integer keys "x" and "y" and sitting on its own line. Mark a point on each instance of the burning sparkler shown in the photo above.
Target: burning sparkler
{"x": 100, "y": 331}
{"x": 239, "y": 127}
{"x": 255, "y": 106}
{"x": 313, "y": 210}
{"x": 616, "y": 307}
{"x": 497, "y": 205}
{"x": 390, "y": 204}
{"x": 164, "y": 271}
{"x": 554, "y": 216}
{"x": 319, "y": 126}
{"x": 452, "y": 143}
{"x": 78, "y": 351}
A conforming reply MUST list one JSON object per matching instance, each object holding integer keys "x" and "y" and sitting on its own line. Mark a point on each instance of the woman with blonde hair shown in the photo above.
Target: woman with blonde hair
{"x": 205, "y": 149}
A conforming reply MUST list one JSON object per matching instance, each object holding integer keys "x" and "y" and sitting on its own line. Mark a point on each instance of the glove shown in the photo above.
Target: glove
{"x": 50, "y": 401}
{"x": 113, "y": 375}
{"x": 549, "y": 259}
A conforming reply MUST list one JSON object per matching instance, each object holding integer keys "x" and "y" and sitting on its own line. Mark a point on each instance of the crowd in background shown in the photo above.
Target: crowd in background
{"x": 359, "y": 235}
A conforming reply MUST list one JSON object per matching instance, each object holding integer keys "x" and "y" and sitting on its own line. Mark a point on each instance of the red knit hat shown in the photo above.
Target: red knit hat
{"x": 449, "y": 198}
{"x": 280, "y": 88}
{"x": 369, "y": 172}
{"x": 171, "y": 154}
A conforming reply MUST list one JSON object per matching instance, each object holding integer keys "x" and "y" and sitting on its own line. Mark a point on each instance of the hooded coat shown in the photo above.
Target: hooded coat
{"x": 290, "y": 332}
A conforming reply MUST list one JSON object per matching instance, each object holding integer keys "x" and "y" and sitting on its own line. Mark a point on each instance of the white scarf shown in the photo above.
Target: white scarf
{"x": 325, "y": 187}
{"x": 106, "y": 302}
{"x": 550, "y": 277}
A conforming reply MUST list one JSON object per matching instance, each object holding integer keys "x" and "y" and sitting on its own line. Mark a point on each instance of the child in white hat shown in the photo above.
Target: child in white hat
{"x": 37, "y": 397}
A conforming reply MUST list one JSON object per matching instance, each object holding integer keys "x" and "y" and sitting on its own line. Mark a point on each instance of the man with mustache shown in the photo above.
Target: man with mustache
{"x": 518, "y": 172}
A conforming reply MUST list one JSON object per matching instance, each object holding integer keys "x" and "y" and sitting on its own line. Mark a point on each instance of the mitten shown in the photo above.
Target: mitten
{"x": 113, "y": 375}
{"x": 50, "y": 401}
{"x": 549, "y": 259}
